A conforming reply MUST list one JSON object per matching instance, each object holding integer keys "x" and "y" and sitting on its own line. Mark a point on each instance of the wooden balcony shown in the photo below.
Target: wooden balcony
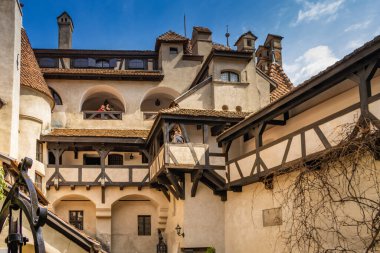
{"x": 94, "y": 175}
{"x": 106, "y": 115}
{"x": 186, "y": 157}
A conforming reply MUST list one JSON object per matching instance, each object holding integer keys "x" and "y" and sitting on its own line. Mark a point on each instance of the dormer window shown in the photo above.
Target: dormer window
{"x": 173, "y": 50}
{"x": 136, "y": 64}
{"x": 249, "y": 43}
{"x": 102, "y": 63}
{"x": 228, "y": 76}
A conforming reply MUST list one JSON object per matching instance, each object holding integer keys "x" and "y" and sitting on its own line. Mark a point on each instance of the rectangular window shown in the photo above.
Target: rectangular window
{"x": 173, "y": 50}
{"x": 39, "y": 151}
{"x": 80, "y": 63}
{"x": 76, "y": 219}
{"x": 91, "y": 160}
{"x": 38, "y": 181}
{"x": 144, "y": 224}
{"x": 115, "y": 159}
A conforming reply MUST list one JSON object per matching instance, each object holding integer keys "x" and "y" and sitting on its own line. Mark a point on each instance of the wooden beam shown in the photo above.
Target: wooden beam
{"x": 174, "y": 181}
{"x": 194, "y": 187}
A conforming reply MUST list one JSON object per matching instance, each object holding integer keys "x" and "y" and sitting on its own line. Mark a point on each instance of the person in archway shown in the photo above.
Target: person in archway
{"x": 107, "y": 105}
{"x": 102, "y": 108}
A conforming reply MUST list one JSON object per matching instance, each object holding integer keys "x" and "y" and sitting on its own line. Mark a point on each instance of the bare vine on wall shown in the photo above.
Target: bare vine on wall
{"x": 333, "y": 202}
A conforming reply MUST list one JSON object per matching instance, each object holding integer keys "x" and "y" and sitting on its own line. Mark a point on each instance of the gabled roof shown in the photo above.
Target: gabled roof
{"x": 284, "y": 85}
{"x": 270, "y": 36}
{"x": 31, "y": 75}
{"x": 170, "y": 37}
{"x": 202, "y": 29}
{"x": 245, "y": 34}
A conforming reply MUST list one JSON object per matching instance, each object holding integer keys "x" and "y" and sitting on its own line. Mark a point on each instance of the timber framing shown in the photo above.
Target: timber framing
{"x": 347, "y": 68}
{"x": 361, "y": 74}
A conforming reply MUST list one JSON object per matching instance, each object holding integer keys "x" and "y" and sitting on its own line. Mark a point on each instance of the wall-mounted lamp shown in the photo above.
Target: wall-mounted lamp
{"x": 178, "y": 228}
{"x": 131, "y": 156}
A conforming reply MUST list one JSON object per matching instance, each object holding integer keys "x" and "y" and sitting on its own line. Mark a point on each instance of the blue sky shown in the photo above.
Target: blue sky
{"x": 316, "y": 32}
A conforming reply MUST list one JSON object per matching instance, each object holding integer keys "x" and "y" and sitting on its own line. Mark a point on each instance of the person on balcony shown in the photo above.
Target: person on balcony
{"x": 102, "y": 108}
{"x": 177, "y": 136}
{"x": 107, "y": 105}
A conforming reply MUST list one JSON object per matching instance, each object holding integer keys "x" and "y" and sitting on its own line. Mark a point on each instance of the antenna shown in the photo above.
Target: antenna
{"x": 184, "y": 23}
{"x": 227, "y": 36}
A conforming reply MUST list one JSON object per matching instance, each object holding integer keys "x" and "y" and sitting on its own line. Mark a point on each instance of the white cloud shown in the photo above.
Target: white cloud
{"x": 354, "y": 44}
{"x": 317, "y": 10}
{"x": 358, "y": 26}
{"x": 310, "y": 63}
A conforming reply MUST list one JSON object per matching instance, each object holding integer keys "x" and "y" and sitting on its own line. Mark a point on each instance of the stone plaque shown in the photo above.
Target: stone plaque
{"x": 272, "y": 217}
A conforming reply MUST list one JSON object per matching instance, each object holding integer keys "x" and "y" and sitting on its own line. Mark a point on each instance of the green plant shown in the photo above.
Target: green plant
{"x": 210, "y": 250}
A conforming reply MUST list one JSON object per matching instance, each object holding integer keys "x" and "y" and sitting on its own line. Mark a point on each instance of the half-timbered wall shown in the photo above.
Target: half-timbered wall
{"x": 309, "y": 132}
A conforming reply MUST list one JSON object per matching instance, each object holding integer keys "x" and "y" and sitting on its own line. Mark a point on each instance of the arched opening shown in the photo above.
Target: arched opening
{"x": 102, "y": 102}
{"x": 229, "y": 76}
{"x": 134, "y": 224}
{"x": 56, "y": 97}
{"x": 157, "y": 99}
{"x": 77, "y": 210}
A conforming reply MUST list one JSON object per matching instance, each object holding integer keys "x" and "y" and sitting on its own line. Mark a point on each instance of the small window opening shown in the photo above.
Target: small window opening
{"x": 173, "y": 50}
{"x": 102, "y": 63}
{"x": 228, "y": 76}
{"x": 91, "y": 160}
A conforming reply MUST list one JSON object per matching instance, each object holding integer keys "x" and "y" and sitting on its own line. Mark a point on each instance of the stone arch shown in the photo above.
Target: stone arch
{"x": 96, "y": 96}
{"x": 158, "y": 98}
{"x": 134, "y": 224}
{"x": 81, "y": 208}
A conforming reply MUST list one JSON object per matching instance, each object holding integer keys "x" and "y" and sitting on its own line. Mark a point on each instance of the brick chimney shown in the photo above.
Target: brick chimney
{"x": 270, "y": 52}
{"x": 246, "y": 42}
{"x": 201, "y": 40}
{"x": 66, "y": 28}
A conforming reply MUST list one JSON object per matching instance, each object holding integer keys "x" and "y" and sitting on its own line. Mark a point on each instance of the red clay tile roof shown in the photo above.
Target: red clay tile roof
{"x": 171, "y": 36}
{"x": 48, "y": 72}
{"x": 31, "y": 75}
{"x": 118, "y": 133}
{"x": 220, "y": 47}
{"x": 284, "y": 85}
{"x": 202, "y": 29}
{"x": 204, "y": 113}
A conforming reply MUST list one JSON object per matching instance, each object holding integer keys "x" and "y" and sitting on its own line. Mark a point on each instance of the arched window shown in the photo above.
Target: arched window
{"x": 56, "y": 97}
{"x": 136, "y": 64}
{"x": 102, "y": 63}
{"x": 229, "y": 76}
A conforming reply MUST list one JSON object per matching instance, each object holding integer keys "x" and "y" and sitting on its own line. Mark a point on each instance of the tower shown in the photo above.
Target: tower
{"x": 65, "y": 31}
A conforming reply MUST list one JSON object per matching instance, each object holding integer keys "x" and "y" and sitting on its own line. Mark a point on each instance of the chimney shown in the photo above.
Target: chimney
{"x": 66, "y": 28}
{"x": 246, "y": 42}
{"x": 201, "y": 40}
{"x": 270, "y": 52}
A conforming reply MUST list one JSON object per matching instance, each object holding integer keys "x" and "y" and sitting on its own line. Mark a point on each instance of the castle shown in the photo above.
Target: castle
{"x": 185, "y": 139}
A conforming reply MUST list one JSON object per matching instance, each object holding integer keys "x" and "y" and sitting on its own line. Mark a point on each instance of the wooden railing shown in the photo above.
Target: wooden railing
{"x": 149, "y": 115}
{"x": 186, "y": 156}
{"x": 100, "y": 115}
{"x": 92, "y": 175}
